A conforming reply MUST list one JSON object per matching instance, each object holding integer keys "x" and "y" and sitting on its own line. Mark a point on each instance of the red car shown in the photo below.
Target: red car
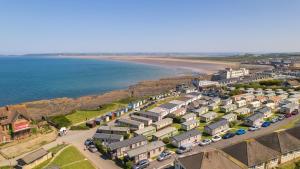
{"x": 295, "y": 112}
{"x": 288, "y": 115}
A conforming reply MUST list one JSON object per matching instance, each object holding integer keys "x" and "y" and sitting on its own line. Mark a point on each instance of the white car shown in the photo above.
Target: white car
{"x": 205, "y": 142}
{"x": 216, "y": 138}
{"x": 254, "y": 128}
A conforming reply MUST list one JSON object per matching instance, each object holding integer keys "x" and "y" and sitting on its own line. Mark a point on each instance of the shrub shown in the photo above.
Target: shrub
{"x": 297, "y": 165}
{"x": 126, "y": 136}
{"x": 232, "y": 124}
{"x": 129, "y": 165}
{"x": 101, "y": 148}
{"x": 79, "y": 127}
{"x": 166, "y": 140}
{"x": 60, "y": 121}
{"x": 176, "y": 119}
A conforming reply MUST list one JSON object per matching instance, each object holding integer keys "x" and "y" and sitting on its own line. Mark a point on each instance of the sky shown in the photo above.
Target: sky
{"x": 51, "y": 26}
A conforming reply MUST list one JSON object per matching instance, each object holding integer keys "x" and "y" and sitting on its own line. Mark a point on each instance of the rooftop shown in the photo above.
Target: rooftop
{"x": 113, "y": 128}
{"x": 185, "y": 135}
{"x": 146, "y": 129}
{"x": 164, "y": 131}
{"x": 31, "y": 157}
{"x": 168, "y": 106}
{"x": 146, "y": 148}
{"x": 127, "y": 142}
{"x": 217, "y": 124}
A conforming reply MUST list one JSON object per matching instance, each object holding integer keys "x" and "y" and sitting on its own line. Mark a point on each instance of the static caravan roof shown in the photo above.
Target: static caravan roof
{"x": 145, "y": 148}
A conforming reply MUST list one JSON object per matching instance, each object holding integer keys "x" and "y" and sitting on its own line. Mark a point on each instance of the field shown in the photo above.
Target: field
{"x": 69, "y": 158}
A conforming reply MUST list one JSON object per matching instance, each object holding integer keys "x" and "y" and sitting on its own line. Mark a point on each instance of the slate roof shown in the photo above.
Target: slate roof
{"x": 281, "y": 142}
{"x": 186, "y": 135}
{"x": 10, "y": 113}
{"x": 145, "y": 148}
{"x": 127, "y": 142}
{"x": 108, "y": 136}
{"x": 217, "y": 124}
{"x": 251, "y": 152}
{"x": 213, "y": 159}
{"x": 255, "y": 116}
{"x": 29, "y": 158}
{"x": 168, "y": 106}
{"x": 294, "y": 132}
{"x": 112, "y": 128}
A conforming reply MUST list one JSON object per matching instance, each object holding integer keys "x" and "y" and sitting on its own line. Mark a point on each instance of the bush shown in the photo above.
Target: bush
{"x": 79, "y": 127}
{"x": 176, "y": 119}
{"x": 235, "y": 92}
{"x": 128, "y": 165}
{"x": 297, "y": 165}
{"x": 101, "y": 148}
{"x": 274, "y": 82}
{"x": 60, "y": 121}
{"x": 126, "y": 136}
{"x": 232, "y": 124}
{"x": 166, "y": 140}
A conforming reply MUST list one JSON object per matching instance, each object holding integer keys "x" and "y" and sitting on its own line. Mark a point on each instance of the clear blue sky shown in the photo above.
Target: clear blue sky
{"x": 34, "y": 26}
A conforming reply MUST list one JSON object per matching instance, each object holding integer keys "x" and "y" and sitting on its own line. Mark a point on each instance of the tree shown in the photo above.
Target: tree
{"x": 129, "y": 165}
{"x": 101, "y": 148}
{"x": 166, "y": 140}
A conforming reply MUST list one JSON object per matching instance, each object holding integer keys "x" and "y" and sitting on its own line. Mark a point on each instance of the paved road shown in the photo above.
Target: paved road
{"x": 227, "y": 142}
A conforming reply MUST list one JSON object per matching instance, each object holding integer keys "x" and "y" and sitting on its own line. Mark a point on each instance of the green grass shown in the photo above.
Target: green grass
{"x": 71, "y": 158}
{"x": 82, "y": 115}
{"x": 55, "y": 149}
{"x": 160, "y": 102}
{"x": 42, "y": 165}
{"x": 176, "y": 125}
{"x": 6, "y": 167}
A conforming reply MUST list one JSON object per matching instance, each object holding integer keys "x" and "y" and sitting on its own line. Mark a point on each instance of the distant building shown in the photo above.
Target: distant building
{"x": 33, "y": 159}
{"x": 108, "y": 138}
{"x": 145, "y": 120}
{"x": 229, "y": 73}
{"x": 113, "y": 130}
{"x": 132, "y": 124}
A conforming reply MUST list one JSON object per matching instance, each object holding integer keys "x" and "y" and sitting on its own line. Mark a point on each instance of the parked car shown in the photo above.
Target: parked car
{"x": 254, "y": 128}
{"x": 92, "y": 148}
{"x": 142, "y": 164}
{"x": 281, "y": 117}
{"x": 295, "y": 112}
{"x": 228, "y": 135}
{"x": 240, "y": 132}
{"x": 88, "y": 142}
{"x": 205, "y": 142}
{"x": 275, "y": 120}
{"x": 184, "y": 149}
{"x": 216, "y": 138}
{"x": 164, "y": 155}
{"x": 266, "y": 124}
{"x": 288, "y": 115}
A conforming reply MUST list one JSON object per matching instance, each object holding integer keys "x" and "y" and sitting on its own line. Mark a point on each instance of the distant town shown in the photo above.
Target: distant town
{"x": 234, "y": 119}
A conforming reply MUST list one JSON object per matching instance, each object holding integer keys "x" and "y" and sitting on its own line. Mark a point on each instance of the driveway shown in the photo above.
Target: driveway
{"x": 227, "y": 142}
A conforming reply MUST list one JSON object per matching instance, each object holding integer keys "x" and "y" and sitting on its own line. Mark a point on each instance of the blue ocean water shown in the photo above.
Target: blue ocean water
{"x": 28, "y": 79}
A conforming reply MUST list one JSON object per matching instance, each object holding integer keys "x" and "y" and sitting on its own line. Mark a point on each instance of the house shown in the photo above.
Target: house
{"x": 242, "y": 111}
{"x": 188, "y": 117}
{"x": 191, "y": 124}
{"x": 118, "y": 149}
{"x": 113, "y": 130}
{"x": 241, "y": 103}
{"x": 162, "y": 123}
{"x": 253, "y": 154}
{"x": 226, "y": 101}
{"x": 267, "y": 111}
{"x": 230, "y": 117}
{"x": 194, "y": 95}
{"x": 208, "y": 116}
{"x": 217, "y": 127}
{"x": 261, "y": 98}
{"x": 14, "y": 123}
{"x": 200, "y": 111}
{"x": 228, "y": 108}
{"x": 147, "y": 151}
{"x": 170, "y": 107}
{"x": 145, "y": 120}
{"x": 181, "y": 111}
{"x": 180, "y": 103}
{"x": 247, "y": 96}
{"x": 216, "y": 100}
{"x": 213, "y": 106}
{"x": 275, "y": 100}
{"x": 33, "y": 159}
{"x": 202, "y": 102}
{"x": 108, "y": 138}
{"x": 289, "y": 108}
{"x": 189, "y": 137}
{"x": 151, "y": 115}
{"x": 211, "y": 159}
{"x": 159, "y": 110}
{"x": 287, "y": 145}
{"x": 255, "y": 119}
{"x": 187, "y": 100}
{"x": 271, "y": 105}
{"x": 132, "y": 124}
{"x": 255, "y": 104}
{"x": 165, "y": 133}
{"x": 147, "y": 132}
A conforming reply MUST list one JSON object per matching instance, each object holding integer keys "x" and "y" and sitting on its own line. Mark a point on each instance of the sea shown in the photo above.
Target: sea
{"x": 24, "y": 79}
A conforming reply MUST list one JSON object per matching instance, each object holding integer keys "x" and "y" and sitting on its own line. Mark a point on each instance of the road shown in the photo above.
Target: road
{"x": 227, "y": 142}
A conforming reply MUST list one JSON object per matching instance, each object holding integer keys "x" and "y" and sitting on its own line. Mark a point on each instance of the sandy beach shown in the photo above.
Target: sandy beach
{"x": 199, "y": 66}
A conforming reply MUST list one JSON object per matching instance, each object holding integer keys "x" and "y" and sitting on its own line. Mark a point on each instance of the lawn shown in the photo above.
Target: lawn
{"x": 163, "y": 101}
{"x": 83, "y": 115}
{"x": 55, "y": 149}
{"x": 69, "y": 158}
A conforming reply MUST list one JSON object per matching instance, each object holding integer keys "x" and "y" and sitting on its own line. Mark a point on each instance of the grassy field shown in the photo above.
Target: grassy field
{"x": 69, "y": 158}
{"x": 82, "y": 115}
